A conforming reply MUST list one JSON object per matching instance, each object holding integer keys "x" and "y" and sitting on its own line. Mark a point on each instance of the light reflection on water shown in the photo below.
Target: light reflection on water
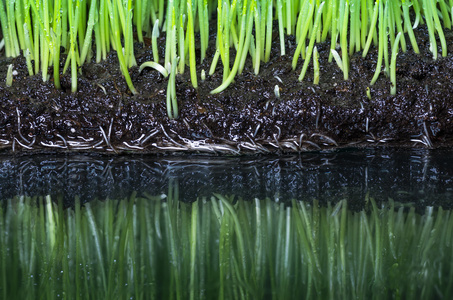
{"x": 383, "y": 229}
{"x": 420, "y": 176}
{"x": 221, "y": 247}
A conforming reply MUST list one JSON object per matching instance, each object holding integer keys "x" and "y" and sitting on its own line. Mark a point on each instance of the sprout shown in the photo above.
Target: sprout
{"x": 277, "y": 91}
{"x": 9, "y": 76}
{"x": 368, "y": 92}
{"x": 315, "y": 66}
{"x": 203, "y": 75}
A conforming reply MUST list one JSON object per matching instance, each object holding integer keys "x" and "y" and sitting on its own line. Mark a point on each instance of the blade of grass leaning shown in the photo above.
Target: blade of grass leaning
{"x": 396, "y": 12}
{"x": 301, "y": 43}
{"x": 237, "y": 229}
{"x": 382, "y": 36}
{"x": 248, "y": 37}
{"x": 393, "y": 64}
{"x": 431, "y": 27}
{"x": 91, "y": 22}
{"x": 116, "y": 38}
{"x": 94, "y": 232}
{"x": 408, "y": 26}
{"x": 374, "y": 19}
{"x": 238, "y": 57}
{"x": 439, "y": 29}
{"x": 312, "y": 42}
{"x": 155, "y": 66}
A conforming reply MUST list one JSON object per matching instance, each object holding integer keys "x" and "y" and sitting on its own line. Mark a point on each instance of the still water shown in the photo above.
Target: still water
{"x": 362, "y": 224}
{"x": 419, "y": 176}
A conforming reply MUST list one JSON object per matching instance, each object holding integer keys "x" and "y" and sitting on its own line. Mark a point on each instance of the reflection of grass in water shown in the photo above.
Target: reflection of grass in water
{"x": 219, "y": 248}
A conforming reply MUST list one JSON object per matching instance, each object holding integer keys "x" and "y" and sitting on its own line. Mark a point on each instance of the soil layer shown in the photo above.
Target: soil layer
{"x": 246, "y": 118}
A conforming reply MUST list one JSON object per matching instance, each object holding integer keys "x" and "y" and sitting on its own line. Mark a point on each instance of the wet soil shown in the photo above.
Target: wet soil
{"x": 246, "y": 118}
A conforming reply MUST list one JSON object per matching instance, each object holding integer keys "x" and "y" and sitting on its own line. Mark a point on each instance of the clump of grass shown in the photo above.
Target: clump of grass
{"x": 222, "y": 247}
{"x": 244, "y": 30}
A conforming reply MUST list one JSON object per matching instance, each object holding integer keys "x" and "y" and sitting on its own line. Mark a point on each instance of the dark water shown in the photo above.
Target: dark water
{"x": 381, "y": 249}
{"x": 407, "y": 176}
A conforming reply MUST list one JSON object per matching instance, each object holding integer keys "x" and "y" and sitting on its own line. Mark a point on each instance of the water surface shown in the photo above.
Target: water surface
{"x": 419, "y": 176}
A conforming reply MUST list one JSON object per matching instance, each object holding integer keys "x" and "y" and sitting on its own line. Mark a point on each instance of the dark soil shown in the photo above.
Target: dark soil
{"x": 246, "y": 118}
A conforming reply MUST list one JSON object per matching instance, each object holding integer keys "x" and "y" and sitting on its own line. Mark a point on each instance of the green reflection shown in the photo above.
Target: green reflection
{"x": 222, "y": 248}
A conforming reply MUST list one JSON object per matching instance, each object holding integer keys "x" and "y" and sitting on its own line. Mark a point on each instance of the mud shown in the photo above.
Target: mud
{"x": 246, "y": 118}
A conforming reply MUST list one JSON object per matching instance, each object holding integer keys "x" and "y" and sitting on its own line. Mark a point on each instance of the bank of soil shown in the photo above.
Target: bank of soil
{"x": 246, "y": 118}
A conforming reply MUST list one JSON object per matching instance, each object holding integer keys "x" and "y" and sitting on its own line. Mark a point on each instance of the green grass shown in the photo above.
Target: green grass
{"x": 245, "y": 28}
{"x": 155, "y": 247}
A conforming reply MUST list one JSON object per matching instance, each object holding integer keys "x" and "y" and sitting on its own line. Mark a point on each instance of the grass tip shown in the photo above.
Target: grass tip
{"x": 203, "y": 75}
{"x": 9, "y": 76}
{"x": 277, "y": 91}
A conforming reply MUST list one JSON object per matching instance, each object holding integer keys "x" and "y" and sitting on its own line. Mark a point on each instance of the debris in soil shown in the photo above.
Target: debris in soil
{"x": 246, "y": 118}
